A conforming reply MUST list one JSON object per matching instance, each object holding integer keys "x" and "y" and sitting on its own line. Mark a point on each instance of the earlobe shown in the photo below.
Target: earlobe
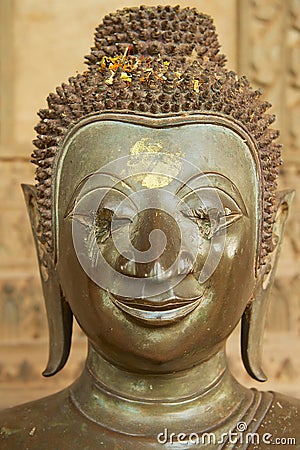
{"x": 253, "y": 320}
{"x": 59, "y": 314}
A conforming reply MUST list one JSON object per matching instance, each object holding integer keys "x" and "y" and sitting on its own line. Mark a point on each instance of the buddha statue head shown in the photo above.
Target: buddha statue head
{"x": 156, "y": 214}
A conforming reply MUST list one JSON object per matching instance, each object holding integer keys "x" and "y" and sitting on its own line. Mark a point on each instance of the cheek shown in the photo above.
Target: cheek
{"x": 234, "y": 278}
{"x": 228, "y": 254}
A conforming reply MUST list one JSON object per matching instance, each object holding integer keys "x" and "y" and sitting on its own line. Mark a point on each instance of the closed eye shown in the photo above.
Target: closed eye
{"x": 213, "y": 220}
{"x": 119, "y": 222}
{"x": 106, "y": 222}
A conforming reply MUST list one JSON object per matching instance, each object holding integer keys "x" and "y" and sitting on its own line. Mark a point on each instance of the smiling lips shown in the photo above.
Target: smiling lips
{"x": 159, "y": 315}
{"x": 164, "y": 309}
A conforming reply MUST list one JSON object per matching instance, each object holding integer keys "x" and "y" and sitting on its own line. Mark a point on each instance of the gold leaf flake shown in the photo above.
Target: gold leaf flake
{"x": 110, "y": 80}
{"x": 154, "y": 172}
{"x": 196, "y": 86}
{"x": 125, "y": 77}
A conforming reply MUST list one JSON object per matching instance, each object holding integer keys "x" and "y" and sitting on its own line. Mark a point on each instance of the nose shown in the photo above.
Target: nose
{"x": 172, "y": 260}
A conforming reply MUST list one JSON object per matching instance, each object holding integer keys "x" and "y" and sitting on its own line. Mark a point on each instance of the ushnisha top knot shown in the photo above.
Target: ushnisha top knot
{"x": 156, "y": 60}
{"x": 176, "y": 35}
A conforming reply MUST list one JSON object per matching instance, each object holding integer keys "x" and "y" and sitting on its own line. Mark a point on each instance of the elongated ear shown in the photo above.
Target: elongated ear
{"x": 254, "y": 317}
{"x": 59, "y": 314}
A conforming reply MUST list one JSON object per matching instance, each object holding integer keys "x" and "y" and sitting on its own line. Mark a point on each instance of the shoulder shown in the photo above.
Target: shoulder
{"x": 54, "y": 423}
{"x": 279, "y": 426}
{"x": 33, "y": 412}
{"x": 36, "y": 425}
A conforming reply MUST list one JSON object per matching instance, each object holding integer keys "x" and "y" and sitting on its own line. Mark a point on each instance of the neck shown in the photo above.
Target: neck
{"x": 202, "y": 398}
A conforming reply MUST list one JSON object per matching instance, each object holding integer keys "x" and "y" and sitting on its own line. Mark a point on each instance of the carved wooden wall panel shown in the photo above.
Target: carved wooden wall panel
{"x": 42, "y": 43}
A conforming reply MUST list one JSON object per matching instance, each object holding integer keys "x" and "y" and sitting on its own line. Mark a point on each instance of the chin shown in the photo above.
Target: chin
{"x": 176, "y": 346}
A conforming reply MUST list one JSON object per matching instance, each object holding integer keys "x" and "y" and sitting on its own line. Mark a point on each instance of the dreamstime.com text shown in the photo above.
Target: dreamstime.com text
{"x": 239, "y": 436}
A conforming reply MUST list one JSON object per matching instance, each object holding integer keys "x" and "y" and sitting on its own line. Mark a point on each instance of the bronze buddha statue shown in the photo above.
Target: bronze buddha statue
{"x": 158, "y": 225}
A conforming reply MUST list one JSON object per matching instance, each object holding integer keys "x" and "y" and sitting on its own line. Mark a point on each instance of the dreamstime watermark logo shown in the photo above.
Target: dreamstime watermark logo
{"x": 111, "y": 207}
{"x": 239, "y": 436}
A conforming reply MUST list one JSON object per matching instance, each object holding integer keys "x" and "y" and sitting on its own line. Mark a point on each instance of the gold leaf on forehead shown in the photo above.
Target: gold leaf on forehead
{"x": 154, "y": 173}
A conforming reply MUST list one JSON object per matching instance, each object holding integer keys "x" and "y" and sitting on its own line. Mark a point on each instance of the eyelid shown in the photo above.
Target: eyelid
{"x": 91, "y": 181}
{"x": 195, "y": 216}
{"x": 122, "y": 218}
{"x": 213, "y": 180}
{"x": 120, "y": 222}
{"x": 73, "y": 202}
{"x": 240, "y": 205}
{"x": 115, "y": 219}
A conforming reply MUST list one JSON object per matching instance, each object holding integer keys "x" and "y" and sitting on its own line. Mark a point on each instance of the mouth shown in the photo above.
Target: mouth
{"x": 158, "y": 315}
{"x": 164, "y": 309}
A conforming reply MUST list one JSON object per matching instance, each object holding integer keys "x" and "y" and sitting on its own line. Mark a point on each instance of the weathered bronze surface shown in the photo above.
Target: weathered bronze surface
{"x": 158, "y": 225}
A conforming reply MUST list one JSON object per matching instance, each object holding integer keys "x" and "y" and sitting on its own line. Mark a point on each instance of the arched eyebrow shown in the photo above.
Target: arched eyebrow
{"x": 91, "y": 182}
{"x": 199, "y": 180}
{"x": 107, "y": 175}
{"x": 212, "y": 180}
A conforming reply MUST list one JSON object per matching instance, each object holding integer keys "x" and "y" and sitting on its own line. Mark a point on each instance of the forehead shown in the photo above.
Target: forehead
{"x": 209, "y": 145}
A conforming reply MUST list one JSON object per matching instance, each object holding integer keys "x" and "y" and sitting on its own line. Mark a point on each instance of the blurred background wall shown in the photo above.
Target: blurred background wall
{"x": 42, "y": 44}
